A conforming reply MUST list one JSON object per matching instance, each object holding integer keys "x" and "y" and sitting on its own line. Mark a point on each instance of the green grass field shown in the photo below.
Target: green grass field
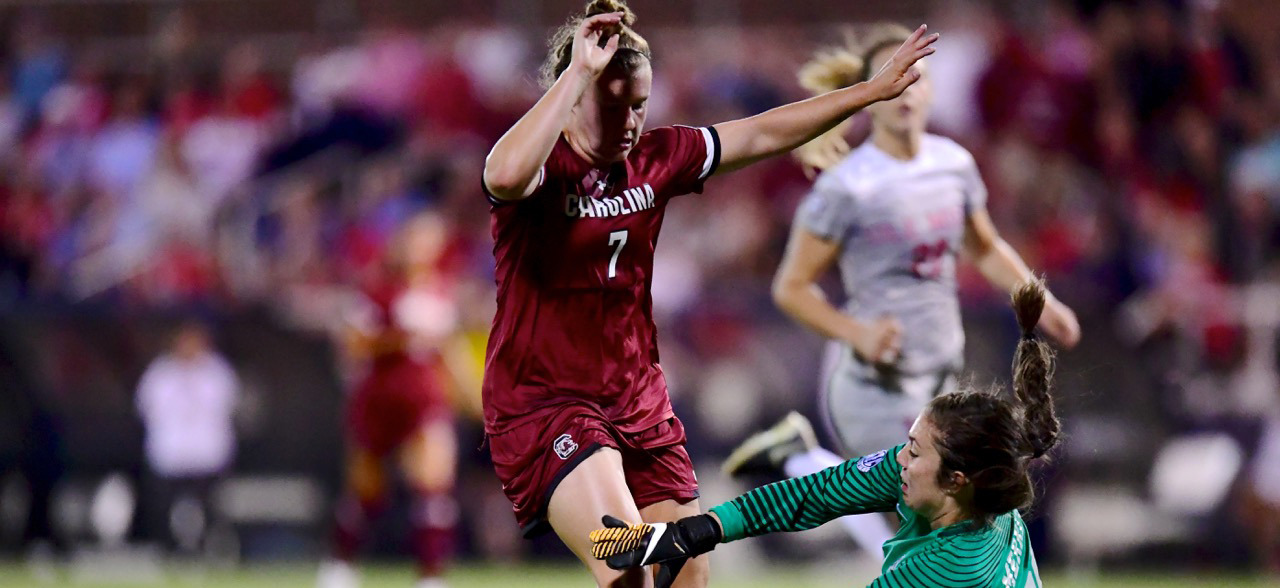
{"x": 546, "y": 576}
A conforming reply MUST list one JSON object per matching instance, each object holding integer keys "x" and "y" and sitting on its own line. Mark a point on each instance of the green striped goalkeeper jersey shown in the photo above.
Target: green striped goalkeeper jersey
{"x": 963, "y": 554}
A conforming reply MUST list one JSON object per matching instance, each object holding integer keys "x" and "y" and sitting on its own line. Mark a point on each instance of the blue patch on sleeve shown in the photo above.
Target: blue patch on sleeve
{"x": 866, "y": 462}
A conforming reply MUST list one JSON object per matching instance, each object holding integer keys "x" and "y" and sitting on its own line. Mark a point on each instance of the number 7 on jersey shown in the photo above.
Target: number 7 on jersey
{"x": 620, "y": 239}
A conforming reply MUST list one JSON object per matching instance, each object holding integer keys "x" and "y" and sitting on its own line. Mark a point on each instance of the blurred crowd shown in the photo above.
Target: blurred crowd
{"x": 1131, "y": 149}
{"x": 1128, "y": 146}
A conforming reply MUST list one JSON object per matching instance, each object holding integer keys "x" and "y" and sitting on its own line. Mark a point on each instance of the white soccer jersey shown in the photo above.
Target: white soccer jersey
{"x": 899, "y": 225}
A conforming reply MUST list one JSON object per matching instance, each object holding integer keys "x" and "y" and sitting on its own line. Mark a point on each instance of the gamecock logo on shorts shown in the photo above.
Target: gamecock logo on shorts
{"x": 564, "y": 446}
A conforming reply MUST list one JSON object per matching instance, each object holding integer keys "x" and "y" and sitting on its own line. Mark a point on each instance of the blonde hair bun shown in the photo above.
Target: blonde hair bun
{"x": 610, "y": 6}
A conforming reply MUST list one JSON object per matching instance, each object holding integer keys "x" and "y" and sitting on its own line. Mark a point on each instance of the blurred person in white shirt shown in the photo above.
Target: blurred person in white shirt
{"x": 187, "y": 399}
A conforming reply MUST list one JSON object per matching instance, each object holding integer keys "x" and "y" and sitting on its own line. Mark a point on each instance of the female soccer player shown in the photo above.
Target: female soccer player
{"x": 401, "y": 329}
{"x": 957, "y": 487}
{"x": 576, "y": 409}
{"x": 893, "y": 214}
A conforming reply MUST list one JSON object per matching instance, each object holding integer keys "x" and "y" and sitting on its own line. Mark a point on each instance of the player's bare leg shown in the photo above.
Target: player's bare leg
{"x": 697, "y": 571}
{"x": 366, "y": 477}
{"x": 365, "y": 483}
{"x": 429, "y": 462}
{"x": 430, "y": 457}
{"x": 595, "y": 488}
{"x": 1262, "y": 519}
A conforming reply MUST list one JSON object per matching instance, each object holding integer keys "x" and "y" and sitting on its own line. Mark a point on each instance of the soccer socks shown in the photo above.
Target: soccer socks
{"x": 434, "y": 518}
{"x": 353, "y": 515}
{"x": 871, "y": 530}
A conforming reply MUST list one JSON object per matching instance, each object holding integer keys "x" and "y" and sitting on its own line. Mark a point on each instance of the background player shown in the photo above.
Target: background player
{"x": 957, "y": 486}
{"x": 892, "y": 214}
{"x": 401, "y": 330}
{"x": 576, "y": 408}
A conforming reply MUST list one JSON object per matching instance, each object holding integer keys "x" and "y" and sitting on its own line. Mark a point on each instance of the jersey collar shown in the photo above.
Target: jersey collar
{"x": 597, "y": 182}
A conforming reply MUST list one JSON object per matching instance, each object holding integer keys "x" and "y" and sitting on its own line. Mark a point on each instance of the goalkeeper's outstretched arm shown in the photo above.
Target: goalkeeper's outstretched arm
{"x": 868, "y": 484}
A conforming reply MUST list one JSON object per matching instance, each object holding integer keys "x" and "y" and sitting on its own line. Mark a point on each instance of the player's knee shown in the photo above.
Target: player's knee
{"x": 431, "y": 478}
{"x": 430, "y": 461}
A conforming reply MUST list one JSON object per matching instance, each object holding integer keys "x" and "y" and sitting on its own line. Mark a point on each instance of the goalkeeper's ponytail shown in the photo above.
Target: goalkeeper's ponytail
{"x": 992, "y": 437}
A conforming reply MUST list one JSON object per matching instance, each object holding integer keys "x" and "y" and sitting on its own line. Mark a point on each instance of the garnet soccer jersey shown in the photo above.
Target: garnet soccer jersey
{"x": 574, "y": 323}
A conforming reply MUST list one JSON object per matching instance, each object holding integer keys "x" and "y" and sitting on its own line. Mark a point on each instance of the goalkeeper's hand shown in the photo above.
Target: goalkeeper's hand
{"x": 624, "y": 546}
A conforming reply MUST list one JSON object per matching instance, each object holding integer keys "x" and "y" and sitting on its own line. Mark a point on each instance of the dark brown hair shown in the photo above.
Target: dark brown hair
{"x": 633, "y": 50}
{"x": 992, "y": 437}
{"x": 841, "y": 66}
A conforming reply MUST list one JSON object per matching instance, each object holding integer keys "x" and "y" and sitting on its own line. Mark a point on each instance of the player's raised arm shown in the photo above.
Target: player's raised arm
{"x": 779, "y": 130}
{"x": 512, "y": 169}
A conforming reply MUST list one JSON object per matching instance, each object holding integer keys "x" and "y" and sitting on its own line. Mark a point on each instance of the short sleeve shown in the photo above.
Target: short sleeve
{"x": 559, "y": 164}
{"x": 495, "y": 201}
{"x": 693, "y": 154}
{"x": 975, "y": 191}
{"x": 827, "y": 212}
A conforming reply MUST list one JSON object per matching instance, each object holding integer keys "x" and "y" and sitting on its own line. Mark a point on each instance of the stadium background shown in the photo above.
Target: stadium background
{"x": 242, "y": 161}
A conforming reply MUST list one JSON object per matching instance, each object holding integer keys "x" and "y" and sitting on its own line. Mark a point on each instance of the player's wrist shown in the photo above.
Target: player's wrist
{"x": 719, "y": 523}
{"x": 700, "y": 533}
{"x": 852, "y": 332}
{"x": 863, "y": 94}
{"x": 579, "y": 75}
{"x": 877, "y": 89}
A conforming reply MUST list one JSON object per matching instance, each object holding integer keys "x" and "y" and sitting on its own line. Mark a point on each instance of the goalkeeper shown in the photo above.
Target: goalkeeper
{"x": 957, "y": 485}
